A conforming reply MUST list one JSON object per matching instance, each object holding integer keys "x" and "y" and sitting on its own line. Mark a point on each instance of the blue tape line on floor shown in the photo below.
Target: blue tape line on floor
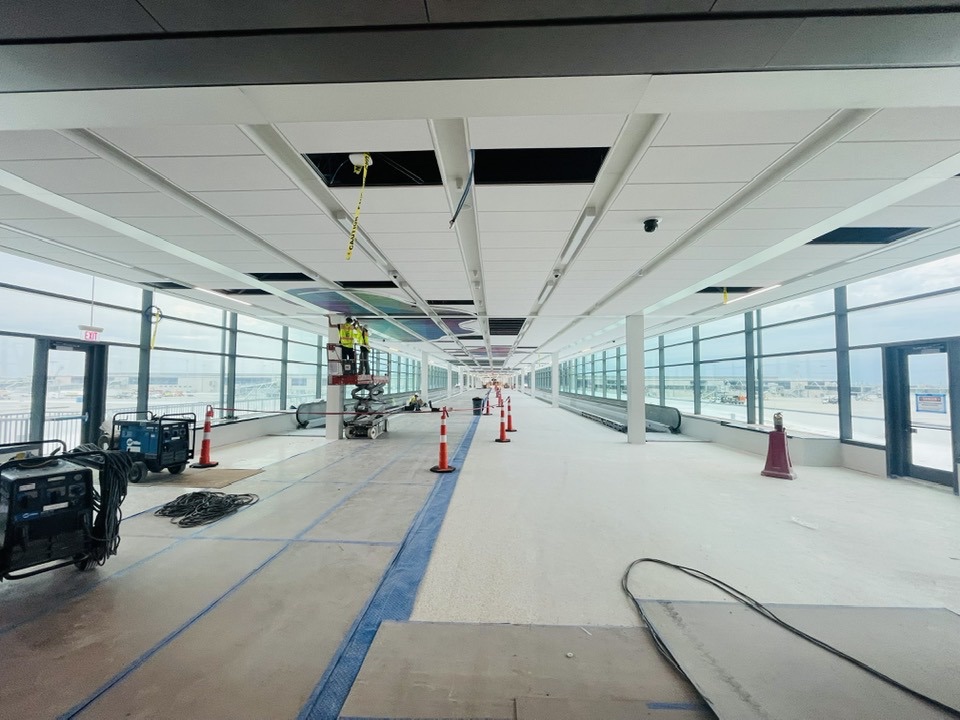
{"x": 675, "y": 706}
{"x": 120, "y": 676}
{"x": 392, "y": 600}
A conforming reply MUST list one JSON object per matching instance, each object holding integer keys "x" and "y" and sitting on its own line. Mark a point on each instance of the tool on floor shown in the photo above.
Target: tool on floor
{"x": 503, "y": 428}
{"x": 204, "y": 507}
{"x": 205, "y": 461}
{"x": 442, "y": 466}
{"x": 510, "y": 427}
{"x": 778, "y": 454}
{"x": 51, "y": 515}
{"x": 154, "y": 442}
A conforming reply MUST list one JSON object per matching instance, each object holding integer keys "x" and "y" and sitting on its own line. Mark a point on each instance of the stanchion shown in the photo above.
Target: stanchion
{"x": 205, "y": 461}
{"x": 442, "y": 466}
{"x": 503, "y": 428}
{"x": 510, "y": 427}
{"x": 778, "y": 454}
{"x": 486, "y": 401}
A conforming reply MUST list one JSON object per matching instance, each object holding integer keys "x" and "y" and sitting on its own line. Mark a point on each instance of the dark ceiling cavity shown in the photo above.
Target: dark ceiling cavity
{"x": 168, "y": 285}
{"x": 366, "y": 284}
{"x": 281, "y": 277}
{"x": 392, "y": 169}
{"x": 555, "y": 166}
{"x": 470, "y": 337}
{"x": 505, "y": 326}
{"x": 865, "y": 235}
{"x": 243, "y": 291}
{"x": 450, "y": 302}
{"x": 731, "y": 290}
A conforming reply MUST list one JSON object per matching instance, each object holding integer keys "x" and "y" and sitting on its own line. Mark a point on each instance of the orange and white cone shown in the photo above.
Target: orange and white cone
{"x": 503, "y": 429}
{"x": 510, "y": 427}
{"x": 205, "y": 461}
{"x": 487, "y": 402}
{"x": 443, "y": 466}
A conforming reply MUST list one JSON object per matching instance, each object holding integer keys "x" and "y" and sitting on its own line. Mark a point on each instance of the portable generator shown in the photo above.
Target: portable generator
{"x": 52, "y": 516}
{"x": 155, "y": 443}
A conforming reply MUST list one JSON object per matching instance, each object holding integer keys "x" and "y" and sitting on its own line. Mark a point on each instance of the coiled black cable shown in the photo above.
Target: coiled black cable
{"x": 761, "y": 609}
{"x": 204, "y": 507}
{"x": 114, "y": 470}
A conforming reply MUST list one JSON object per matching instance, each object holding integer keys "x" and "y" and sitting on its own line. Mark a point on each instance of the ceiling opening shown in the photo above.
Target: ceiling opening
{"x": 864, "y": 235}
{"x": 558, "y": 166}
{"x": 731, "y": 290}
{"x": 392, "y": 169}
{"x": 505, "y": 326}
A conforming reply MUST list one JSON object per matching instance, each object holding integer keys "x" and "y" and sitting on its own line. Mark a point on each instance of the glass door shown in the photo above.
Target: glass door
{"x": 69, "y": 391}
{"x": 921, "y": 432}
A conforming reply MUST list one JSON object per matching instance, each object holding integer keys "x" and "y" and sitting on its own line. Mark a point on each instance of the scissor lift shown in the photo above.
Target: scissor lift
{"x": 366, "y": 416}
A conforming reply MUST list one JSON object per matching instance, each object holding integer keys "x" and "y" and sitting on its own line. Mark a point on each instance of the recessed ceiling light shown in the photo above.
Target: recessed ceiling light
{"x": 221, "y": 296}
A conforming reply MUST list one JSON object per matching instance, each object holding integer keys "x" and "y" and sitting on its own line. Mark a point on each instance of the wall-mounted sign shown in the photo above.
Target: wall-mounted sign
{"x": 931, "y": 402}
{"x": 90, "y": 333}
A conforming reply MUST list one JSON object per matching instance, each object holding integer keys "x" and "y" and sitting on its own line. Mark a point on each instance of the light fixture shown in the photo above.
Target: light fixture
{"x": 751, "y": 294}
{"x": 544, "y": 293}
{"x": 64, "y": 246}
{"x": 222, "y": 296}
{"x": 579, "y": 234}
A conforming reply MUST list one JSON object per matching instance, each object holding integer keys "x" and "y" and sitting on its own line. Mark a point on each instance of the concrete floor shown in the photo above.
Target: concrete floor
{"x": 241, "y": 619}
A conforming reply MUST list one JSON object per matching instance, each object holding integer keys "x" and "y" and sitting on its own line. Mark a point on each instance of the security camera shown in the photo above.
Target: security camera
{"x": 556, "y": 274}
{"x": 394, "y": 276}
{"x": 651, "y": 224}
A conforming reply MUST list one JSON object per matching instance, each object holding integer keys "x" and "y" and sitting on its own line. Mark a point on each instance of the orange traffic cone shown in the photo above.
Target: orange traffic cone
{"x": 442, "y": 466}
{"x": 510, "y": 427}
{"x": 778, "y": 454}
{"x": 205, "y": 461}
{"x": 503, "y": 429}
{"x": 487, "y": 400}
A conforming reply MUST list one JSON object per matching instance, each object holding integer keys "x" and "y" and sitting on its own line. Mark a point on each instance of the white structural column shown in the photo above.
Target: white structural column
{"x": 335, "y": 392}
{"x": 636, "y": 392}
{"x": 424, "y": 376}
{"x": 555, "y": 378}
{"x": 533, "y": 381}
{"x": 449, "y": 380}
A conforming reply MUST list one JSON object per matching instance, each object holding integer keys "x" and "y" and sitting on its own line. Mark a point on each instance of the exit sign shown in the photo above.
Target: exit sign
{"x": 91, "y": 335}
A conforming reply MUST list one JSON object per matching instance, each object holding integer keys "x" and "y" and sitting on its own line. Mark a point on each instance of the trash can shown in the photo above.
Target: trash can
{"x": 477, "y": 405}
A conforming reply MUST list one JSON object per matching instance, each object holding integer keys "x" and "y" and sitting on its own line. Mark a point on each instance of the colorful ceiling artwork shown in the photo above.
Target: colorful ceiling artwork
{"x": 335, "y": 301}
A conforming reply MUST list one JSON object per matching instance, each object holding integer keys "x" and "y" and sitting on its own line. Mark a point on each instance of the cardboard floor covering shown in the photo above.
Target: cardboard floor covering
{"x": 747, "y": 667}
{"x": 210, "y": 478}
{"x": 456, "y": 670}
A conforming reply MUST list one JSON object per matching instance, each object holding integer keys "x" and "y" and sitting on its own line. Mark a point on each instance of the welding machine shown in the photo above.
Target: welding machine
{"x": 47, "y": 507}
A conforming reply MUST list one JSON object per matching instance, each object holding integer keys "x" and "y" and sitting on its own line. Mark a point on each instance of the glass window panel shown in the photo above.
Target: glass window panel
{"x": 245, "y": 323}
{"x": 816, "y": 304}
{"x": 16, "y": 378}
{"x": 301, "y": 383}
{"x": 721, "y": 327}
{"x": 172, "y": 306}
{"x": 678, "y": 354}
{"x": 651, "y": 381}
{"x": 651, "y": 358}
{"x": 726, "y": 346}
{"x": 804, "y": 389}
{"x": 929, "y": 277}
{"x": 932, "y": 317}
{"x": 258, "y": 384}
{"x": 678, "y": 336}
{"x": 651, "y": 343}
{"x": 723, "y": 389}
{"x": 800, "y": 337}
{"x": 302, "y": 353}
{"x": 51, "y": 278}
{"x": 123, "y": 365}
{"x": 679, "y": 387}
{"x": 183, "y": 382}
{"x": 259, "y": 346}
{"x": 189, "y": 336}
{"x": 866, "y": 396}
{"x": 41, "y": 315}
{"x": 302, "y": 336}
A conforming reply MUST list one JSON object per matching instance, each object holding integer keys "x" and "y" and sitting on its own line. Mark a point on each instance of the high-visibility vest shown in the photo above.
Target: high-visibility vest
{"x": 364, "y": 338}
{"x": 357, "y": 336}
{"x": 346, "y": 334}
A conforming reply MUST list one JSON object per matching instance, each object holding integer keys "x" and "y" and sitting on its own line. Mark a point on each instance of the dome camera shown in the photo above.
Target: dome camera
{"x": 651, "y": 224}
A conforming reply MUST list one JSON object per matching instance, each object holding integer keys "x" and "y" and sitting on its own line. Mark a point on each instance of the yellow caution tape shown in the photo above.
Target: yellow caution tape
{"x": 356, "y": 214}
{"x": 155, "y": 317}
{"x": 725, "y": 296}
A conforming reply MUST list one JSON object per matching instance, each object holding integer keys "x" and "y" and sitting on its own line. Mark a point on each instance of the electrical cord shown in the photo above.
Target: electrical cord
{"x": 761, "y": 609}
{"x": 115, "y": 468}
{"x": 204, "y": 507}
{"x": 466, "y": 189}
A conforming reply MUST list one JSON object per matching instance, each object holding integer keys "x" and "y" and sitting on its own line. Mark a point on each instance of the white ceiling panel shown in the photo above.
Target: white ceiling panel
{"x": 675, "y": 196}
{"x": 247, "y": 172}
{"x": 631, "y": 239}
{"x": 534, "y": 240}
{"x": 633, "y": 255}
{"x": 391, "y": 242}
{"x": 424, "y": 199}
{"x": 531, "y": 197}
{"x": 677, "y": 221}
{"x": 866, "y": 160}
{"x": 403, "y": 223}
{"x": 763, "y": 218}
{"x": 307, "y": 241}
{"x": 126, "y": 204}
{"x": 415, "y": 269}
{"x": 821, "y": 193}
{"x": 741, "y": 128}
{"x": 168, "y": 226}
{"x": 265, "y": 225}
{"x": 942, "y": 195}
{"x": 358, "y": 136}
{"x": 526, "y": 221}
{"x": 493, "y": 255}
{"x": 705, "y": 164}
{"x": 492, "y": 268}
{"x": 103, "y": 244}
{"x": 38, "y": 145}
{"x": 19, "y": 206}
{"x": 55, "y": 228}
{"x": 239, "y": 203}
{"x": 198, "y": 242}
{"x": 909, "y": 124}
{"x": 180, "y": 140}
{"x": 722, "y": 253}
{"x": 545, "y": 131}
{"x": 75, "y": 176}
{"x": 750, "y": 238}
{"x": 904, "y": 216}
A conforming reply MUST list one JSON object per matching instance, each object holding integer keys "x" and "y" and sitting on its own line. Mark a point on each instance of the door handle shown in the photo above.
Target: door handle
{"x": 913, "y": 431}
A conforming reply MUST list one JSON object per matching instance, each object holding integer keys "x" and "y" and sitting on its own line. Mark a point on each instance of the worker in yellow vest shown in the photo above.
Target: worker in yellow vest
{"x": 363, "y": 341}
{"x": 347, "y": 353}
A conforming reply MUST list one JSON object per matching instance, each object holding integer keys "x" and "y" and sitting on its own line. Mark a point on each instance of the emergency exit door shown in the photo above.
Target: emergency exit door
{"x": 922, "y": 409}
{"x": 69, "y": 393}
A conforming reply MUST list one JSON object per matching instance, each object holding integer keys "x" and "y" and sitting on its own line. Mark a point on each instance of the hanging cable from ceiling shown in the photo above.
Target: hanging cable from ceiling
{"x": 466, "y": 190}
{"x": 360, "y": 165}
